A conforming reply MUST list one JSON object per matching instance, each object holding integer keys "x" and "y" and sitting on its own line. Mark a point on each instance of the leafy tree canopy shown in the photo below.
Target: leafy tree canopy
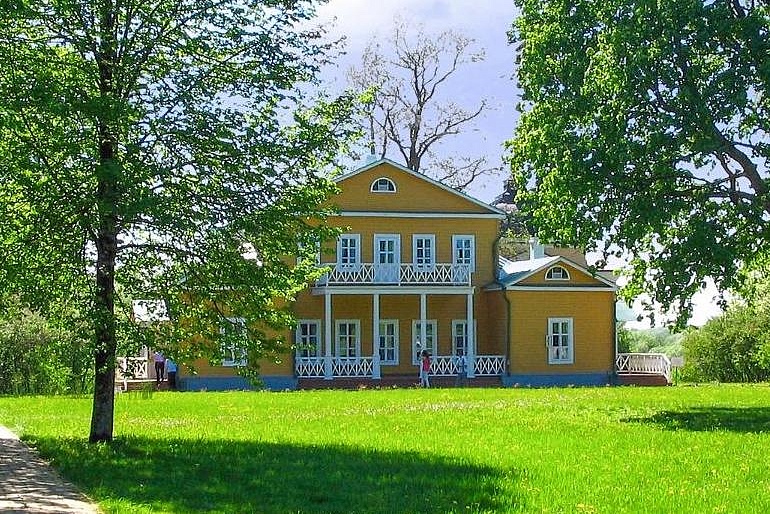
{"x": 644, "y": 133}
{"x": 146, "y": 147}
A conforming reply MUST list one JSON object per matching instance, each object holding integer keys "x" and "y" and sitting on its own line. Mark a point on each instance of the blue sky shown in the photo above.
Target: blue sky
{"x": 487, "y": 22}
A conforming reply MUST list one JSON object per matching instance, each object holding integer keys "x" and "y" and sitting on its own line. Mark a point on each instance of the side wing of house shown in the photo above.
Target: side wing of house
{"x": 561, "y": 323}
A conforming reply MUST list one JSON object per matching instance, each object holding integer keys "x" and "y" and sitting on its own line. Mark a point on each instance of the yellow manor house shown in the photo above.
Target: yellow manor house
{"x": 418, "y": 269}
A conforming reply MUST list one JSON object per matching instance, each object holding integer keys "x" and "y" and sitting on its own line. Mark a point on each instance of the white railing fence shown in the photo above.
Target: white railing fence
{"x": 132, "y": 368}
{"x": 441, "y": 365}
{"x": 651, "y": 363}
{"x": 490, "y": 365}
{"x": 370, "y": 273}
{"x": 352, "y": 367}
{"x": 310, "y": 367}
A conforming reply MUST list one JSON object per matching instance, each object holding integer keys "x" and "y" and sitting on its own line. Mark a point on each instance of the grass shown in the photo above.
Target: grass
{"x": 677, "y": 449}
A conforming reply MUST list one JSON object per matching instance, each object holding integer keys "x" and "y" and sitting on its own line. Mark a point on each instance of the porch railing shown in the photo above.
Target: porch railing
{"x": 487, "y": 365}
{"x": 132, "y": 368}
{"x": 644, "y": 363}
{"x": 441, "y": 365}
{"x": 397, "y": 274}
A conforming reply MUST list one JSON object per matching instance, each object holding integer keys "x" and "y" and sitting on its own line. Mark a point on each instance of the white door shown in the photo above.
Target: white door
{"x": 387, "y": 258}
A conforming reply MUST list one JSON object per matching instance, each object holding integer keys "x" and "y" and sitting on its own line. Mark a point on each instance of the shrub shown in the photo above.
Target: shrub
{"x": 734, "y": 347}
{"x": 37, "y": 357}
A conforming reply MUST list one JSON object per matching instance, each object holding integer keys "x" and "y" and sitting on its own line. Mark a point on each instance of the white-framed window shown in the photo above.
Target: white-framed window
{"x": 233, "y": 342}
{"x": 557, "y": 273}
{"x": 347, "y": 341}
{"x": 306, "y": 248}
{"x": 388, "y": 343}
{"x": 307, "y": 339}
{"x": 422, "y": 341}
{"x": 383, "y": 185}
{"x": 464, "y": 251}
{"x": 424, "y": 251}
{"x": 349, "y": 250}
{"x": 459, "y": 337}
{"x": 560, "y": 341}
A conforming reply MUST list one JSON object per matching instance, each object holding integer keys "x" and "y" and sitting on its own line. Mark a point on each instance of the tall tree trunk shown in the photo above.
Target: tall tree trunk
{"x": 102, "y": 415}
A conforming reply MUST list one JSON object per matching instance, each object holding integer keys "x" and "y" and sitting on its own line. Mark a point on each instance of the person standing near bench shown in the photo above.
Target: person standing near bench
{"x": 160, "y": 366}
{"x": 171, "y": 373}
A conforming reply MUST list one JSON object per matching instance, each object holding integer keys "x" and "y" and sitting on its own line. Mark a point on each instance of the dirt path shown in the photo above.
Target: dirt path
{"x": 28, "y": 484}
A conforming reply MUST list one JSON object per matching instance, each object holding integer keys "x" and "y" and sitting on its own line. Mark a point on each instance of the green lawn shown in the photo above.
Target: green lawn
{"x": 677, "y": 449}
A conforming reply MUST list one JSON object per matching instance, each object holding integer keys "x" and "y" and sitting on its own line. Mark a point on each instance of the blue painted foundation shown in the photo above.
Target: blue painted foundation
{"x": 270, "y": 383}
{"x": 560, "y": 380}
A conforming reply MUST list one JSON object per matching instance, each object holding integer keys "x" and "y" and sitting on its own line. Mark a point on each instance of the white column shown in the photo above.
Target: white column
{"x": 327, "y": 336}
{"x": 376, "y": 336}
{"x": 471, "y": 337}
{"x": 423, "y": 316}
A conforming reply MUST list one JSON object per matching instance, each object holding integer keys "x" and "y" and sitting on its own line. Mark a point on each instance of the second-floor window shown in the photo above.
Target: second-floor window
{"x": 423, "y": 251}
{"x": 464, "y": 251}
{"x": 349, "y": 250}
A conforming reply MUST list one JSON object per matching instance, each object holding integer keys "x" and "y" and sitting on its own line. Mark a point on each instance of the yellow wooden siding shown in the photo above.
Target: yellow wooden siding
{"x": 413, "y": 194}
{"x": 593, "y": 330}
{"x": 492, "y": 322}
{"x": 576, "y": 277}
{"x": 483, "y": 230}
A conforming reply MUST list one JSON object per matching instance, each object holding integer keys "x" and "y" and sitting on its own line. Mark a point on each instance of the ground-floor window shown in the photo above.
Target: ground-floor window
{"x": 560, "y": 341}
{"x": 233, "y": 346}
{"x": 459, "y": 337}
{"x": 420, "y": 341}
{"x": 388, "y": 343}
{"x": 348, "y": 340}
{"x": 308, "y": 338}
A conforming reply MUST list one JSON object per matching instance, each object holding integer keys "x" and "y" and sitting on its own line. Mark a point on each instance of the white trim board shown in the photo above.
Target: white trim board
{"x": 391, "y": 214}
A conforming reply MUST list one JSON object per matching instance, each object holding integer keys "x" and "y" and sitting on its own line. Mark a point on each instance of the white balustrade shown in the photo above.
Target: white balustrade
{"x": 490, "y": 365}
{"x": 311, "y": 367}
{"x": 650, "y": 363}
{"x": 403, "y": 274}
{"x": 352, "y": 367}
{"x": 132, "y": 368}
{"x": 441, "y": 365}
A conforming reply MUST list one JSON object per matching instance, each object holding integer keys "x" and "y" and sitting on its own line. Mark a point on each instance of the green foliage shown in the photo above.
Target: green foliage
{"x": 38, "y": 357}
{"x": 734, "y": 347}
{"x": 145, "y": 149}
{"x": 643, "y": 135}
{"x": 686, "y": 449}
{"x": 656, "y": 340}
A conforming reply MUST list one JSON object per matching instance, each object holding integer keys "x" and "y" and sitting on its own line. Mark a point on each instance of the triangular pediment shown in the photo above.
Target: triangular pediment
{"x": 387, "y": 187}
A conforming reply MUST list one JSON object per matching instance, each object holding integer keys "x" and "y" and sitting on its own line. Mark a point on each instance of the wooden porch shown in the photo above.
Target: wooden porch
{"x": 643, "y": 369}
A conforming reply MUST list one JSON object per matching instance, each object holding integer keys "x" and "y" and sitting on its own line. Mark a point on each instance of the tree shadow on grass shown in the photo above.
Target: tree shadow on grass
{"x": 163, "y": 475}
{"x": 706, "y": 419}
